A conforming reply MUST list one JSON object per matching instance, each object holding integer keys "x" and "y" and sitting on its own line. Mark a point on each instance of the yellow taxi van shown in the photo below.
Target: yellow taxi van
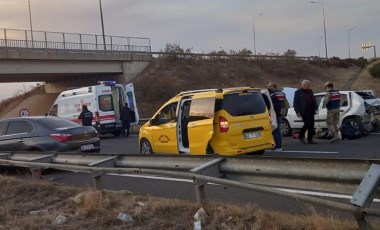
{"x": 230, "y": 121}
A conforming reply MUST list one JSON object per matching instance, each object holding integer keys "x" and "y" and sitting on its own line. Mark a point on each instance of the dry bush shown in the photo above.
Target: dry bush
{"x": 99, "y": 209}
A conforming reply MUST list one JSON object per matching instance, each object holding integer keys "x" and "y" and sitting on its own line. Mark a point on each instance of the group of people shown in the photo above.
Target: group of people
{"x": 306, "y": 107}
{"x": 126, "y": 117}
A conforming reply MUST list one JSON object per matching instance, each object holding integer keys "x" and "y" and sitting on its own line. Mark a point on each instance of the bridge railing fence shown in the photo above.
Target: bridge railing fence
{"x": 45, "y": 40}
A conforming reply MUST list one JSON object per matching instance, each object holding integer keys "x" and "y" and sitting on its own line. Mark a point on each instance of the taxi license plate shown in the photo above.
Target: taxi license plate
{"x": 253, "y": 135}
{"x": 87, "y": 147}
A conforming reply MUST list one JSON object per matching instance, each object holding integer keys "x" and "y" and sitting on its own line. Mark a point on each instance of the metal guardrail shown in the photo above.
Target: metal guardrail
{"x": 344, "y": 176}
{"x": 328, "y": 175}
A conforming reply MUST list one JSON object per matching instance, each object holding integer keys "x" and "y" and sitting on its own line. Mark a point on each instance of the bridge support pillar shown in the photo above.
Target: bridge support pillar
{"x": 131, "y": 69}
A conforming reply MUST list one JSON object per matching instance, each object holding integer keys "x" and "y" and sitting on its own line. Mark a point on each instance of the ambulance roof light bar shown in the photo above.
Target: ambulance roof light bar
{"x": 107, "y": 83}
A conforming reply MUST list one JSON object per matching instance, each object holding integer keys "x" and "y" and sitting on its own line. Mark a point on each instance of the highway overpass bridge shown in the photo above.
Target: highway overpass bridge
{"x": 63, "y": 60}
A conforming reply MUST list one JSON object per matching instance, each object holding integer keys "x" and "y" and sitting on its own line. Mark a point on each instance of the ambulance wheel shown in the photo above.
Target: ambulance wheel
{"x": 117, "y": 133}
{"x": 145, "y": 147}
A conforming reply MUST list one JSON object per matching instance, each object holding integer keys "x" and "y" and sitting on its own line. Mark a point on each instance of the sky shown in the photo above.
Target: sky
{"x": 209, "y": 25}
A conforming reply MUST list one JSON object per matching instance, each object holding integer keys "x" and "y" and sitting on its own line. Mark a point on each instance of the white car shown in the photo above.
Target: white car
{"x": 353, "y": 109}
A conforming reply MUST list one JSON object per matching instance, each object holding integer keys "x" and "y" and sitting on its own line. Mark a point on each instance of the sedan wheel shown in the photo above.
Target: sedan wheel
{"x": 285, "y": 128}
{"x": 145, "y": 147}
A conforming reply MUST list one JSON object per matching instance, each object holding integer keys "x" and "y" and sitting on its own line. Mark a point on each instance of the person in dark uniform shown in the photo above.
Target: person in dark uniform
{"x": 332, "y": 103}
{"x": 126, "y": 117}
{"x": 278, "y": 100}
{"x": 86, "y": 116}
{"x": 306, "y": 107}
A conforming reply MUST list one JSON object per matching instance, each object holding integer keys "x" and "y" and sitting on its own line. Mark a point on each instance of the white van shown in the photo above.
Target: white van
{"x": 105, "y": 101}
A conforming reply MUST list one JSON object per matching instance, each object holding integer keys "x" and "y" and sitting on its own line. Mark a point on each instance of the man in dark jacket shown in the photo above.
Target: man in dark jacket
{"x": 305, "y": 107}
{"x": 86, "y": 116}
{"x": 126, "y": 117}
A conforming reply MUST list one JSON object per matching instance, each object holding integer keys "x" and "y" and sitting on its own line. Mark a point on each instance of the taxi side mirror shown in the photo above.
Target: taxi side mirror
{"x": 155, "y": 120}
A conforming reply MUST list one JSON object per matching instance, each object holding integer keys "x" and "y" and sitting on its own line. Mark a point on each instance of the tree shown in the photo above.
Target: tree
{"x": 290, "y": 53}
{"x": 245, "y": 52}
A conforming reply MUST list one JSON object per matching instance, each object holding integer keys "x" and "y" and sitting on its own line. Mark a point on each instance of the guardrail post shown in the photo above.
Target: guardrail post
{"x": 210, "y": 168}
{"x": 365, "y": 193}
{"x": 200, "y": 192}
{"x": 36, "y": 172}
{"x": 97, "y": 178}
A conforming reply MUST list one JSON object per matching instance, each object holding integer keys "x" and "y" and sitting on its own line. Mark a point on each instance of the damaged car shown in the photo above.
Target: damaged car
{"x": 357, "y": 108}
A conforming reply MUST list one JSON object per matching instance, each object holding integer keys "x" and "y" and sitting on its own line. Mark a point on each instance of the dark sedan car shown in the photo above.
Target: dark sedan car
{"x": 47, "y": 134}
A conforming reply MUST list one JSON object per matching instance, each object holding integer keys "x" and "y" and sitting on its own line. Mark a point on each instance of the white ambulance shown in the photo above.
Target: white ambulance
{"x": 105, "y": 101}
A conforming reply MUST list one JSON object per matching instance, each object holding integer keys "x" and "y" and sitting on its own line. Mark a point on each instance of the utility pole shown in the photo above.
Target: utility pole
{"x": 254, "y": 34}
{"x": 101, "y": 18}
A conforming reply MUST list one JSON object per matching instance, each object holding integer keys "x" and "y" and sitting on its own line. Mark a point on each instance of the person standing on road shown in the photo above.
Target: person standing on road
{"x": 86, "y": 116}
{"x": 332, "y": 103}
{"x": 306, "y": 107}
{"x": 278, "y": 100}
{"x": 126, "y": 117}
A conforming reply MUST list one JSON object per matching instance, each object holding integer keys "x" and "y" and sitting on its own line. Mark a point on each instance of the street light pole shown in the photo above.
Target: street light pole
{"x": 30, "y": 22}
{"x": 348, "y": 39}
{"x": 319, "y": 52}
{"x": 254, "y": 34}
{"x": 324, "y": 25}
{"x": 101, "y": 18}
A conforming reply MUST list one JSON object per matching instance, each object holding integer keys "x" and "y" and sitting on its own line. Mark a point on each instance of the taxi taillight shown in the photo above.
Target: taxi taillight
{"x": 223, "y": 124}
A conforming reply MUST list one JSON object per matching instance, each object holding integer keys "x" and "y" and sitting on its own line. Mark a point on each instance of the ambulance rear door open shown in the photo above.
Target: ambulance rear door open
{"x": 131, "y": 100}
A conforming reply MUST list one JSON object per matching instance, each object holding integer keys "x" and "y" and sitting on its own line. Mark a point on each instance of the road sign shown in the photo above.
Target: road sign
{"x": 366, "y": 46}
{"x": 24, "y": 113}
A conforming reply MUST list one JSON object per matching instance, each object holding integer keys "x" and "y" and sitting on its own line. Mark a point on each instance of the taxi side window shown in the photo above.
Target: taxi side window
{"x": 201, "y": 109}
{"x": 168, "y": 114}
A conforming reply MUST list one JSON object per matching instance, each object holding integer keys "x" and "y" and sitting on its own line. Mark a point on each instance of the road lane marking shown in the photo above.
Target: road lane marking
{"x": 323, "y": 194}
{"x": 303, "y": 151}
{"x": 302, "y": 192}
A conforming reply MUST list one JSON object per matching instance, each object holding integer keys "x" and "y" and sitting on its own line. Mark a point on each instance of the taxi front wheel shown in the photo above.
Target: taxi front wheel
{"x": 145, "y": 147}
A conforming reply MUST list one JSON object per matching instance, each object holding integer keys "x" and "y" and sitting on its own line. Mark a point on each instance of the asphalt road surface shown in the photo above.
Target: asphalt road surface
{"x": 366, "y": 147}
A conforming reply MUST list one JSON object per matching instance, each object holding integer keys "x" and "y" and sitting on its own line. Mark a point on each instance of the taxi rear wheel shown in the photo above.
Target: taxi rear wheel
{"x": 209, "y": 150}
{"x": 145, "y": 147}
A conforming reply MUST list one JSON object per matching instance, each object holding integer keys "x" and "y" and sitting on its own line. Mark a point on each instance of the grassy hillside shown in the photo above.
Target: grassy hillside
{"x": 165, "y": 77}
